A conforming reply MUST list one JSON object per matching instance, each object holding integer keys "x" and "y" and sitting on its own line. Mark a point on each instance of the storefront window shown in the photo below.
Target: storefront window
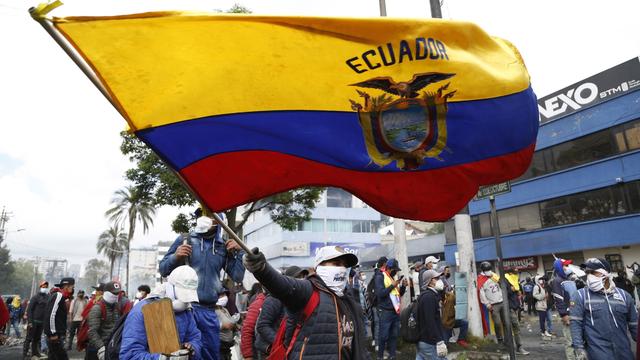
{"x": 615, "y": 260}
{"x": 481, "y": 226}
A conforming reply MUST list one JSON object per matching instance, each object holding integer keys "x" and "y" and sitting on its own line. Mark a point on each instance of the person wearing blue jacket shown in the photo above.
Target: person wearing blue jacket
{"x": 181, "y": 289}
{"x": 563, "y": 286}
{"x": 601, "y": 315}
{"x": 207, "y": 253}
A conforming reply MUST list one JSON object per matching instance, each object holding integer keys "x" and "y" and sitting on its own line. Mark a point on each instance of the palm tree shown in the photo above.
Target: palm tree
{"x": 132, "y": 206}
{"x": 112, "y": 244}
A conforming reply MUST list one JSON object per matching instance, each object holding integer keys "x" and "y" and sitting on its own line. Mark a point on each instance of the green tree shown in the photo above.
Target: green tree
{"x": 21, "y": 279}
{"x": 112, "y": 243}
{"x": 7, "y": 268}
{"x": 95, "y": 271}
{"x": 131, "y": 205}
{"x": 151, "y": 176}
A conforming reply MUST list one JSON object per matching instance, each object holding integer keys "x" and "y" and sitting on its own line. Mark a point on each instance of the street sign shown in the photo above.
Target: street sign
{"x": 496, "y": 189}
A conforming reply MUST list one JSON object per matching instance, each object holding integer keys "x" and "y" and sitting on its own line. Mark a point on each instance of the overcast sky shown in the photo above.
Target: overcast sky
{"x": 59, "y": 145}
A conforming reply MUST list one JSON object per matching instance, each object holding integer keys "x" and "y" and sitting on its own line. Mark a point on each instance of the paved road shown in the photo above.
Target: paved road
{"x": 540, "y": 349}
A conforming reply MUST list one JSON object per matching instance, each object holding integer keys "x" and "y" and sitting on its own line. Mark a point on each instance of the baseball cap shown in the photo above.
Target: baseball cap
{"x": 113, "y": 287}
{"x": 392, "y": 264}
{"x": 185, "y": 281}
{"x": 100, "y": 287}
{"x": 44, "y": 283}
{"x": 295, "y": 271}
{"x": 428, "y": 275}
{"x": 595, "y": 264}
{"x": 333, "y": 252}
{"x": 66, "y": 281}
{"x": 416, "y": 264}
{"x": 431, "y": 259}
{"x": 203, "y": 224}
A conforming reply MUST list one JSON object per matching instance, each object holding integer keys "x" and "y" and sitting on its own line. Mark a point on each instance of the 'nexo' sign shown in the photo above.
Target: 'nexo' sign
{"x": 599, "y": 88}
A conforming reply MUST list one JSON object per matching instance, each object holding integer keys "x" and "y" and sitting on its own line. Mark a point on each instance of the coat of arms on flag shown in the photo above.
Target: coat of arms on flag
{"x": 408, "y": 129}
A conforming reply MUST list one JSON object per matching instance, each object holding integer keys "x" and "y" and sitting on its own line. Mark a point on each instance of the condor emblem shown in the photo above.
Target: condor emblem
{"x": 407, "y": 129}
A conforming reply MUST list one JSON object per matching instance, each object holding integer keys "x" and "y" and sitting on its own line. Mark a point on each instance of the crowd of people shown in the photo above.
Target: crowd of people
{"x": 327, "y": 311}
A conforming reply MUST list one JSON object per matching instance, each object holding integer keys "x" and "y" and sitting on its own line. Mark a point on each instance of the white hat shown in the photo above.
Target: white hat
{"x": 185, "y": 281}
{"x": 333, "y": 252}
{"x": 203, "y": 224}
{"x": 431, "y": 259}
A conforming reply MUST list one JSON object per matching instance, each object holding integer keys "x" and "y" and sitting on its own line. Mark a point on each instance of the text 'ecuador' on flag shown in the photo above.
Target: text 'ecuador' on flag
{"x": 410, "y": 116}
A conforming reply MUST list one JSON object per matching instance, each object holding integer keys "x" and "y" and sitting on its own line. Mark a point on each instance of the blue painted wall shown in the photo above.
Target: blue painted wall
{"x": 611, "y": 232}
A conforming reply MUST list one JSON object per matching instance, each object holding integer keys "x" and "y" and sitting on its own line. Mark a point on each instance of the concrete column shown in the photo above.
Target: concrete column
{"x": 467, "y": 258}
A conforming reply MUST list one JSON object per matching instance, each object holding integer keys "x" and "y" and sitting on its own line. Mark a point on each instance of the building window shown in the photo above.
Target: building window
{"x": 616, "y": 200}
{"x": 599, "y": 145}
{"x": 521, "y": 218}
{"x": 338, "y": 198}
{"x": 313, "y": 225}
{"x": 615, "y": 260}
{"x": 481, "y": 226}
{"x": 632, "y": 133}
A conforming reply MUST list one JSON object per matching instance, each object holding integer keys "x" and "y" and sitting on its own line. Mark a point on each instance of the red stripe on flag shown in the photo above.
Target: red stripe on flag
{"x": 230, "y": 179}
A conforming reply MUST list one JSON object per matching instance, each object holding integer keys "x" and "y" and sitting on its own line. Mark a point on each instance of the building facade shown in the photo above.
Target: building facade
{"x": 338, "y": 219}
{"x": 143, "y": 267}
{"x": 580, "y": 197}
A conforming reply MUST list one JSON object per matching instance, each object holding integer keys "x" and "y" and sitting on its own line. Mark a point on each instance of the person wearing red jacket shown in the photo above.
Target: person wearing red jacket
{"x": 248, "y": 327}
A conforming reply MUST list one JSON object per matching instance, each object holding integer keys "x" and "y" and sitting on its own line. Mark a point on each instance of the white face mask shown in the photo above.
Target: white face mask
{"x": 439, "y": 285}
{"x": 109, "y": 298}
{"x": 596, "y": 284}
{"x": 44, "y": 290}
{"x": 488, "y": 273}
{"x": 140, "y": 295}
{"x": 222, "y": 301}
{"x": 335, "y": 277}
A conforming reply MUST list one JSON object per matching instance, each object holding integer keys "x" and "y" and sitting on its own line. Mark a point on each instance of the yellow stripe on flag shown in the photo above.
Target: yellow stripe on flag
{"x": 169, "y": 67}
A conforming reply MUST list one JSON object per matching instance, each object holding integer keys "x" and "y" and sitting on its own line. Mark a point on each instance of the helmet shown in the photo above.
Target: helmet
{"x": 485, "y": 266}
{"x": 596, "y": 264}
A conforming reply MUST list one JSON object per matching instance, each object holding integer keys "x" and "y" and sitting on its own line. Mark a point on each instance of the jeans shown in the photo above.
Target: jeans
{"x": 568, "y": 347}
{"x": 75, "y": 326}
{"x": 15, "y": 323}
{"x": 549, "y": 326}
{"x": 389, "y": 329}
{"x": 376, "y": 326}
{"x": 426, "y": 351}
{"x": 542, "y": 317}
{"x": 34, "y": 333}
{"x": 464, "y": 327}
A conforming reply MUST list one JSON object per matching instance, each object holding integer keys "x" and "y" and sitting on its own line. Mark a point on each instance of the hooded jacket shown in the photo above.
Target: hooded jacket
{"x": 208, "y": 257}
{"x": 134, "y": 345}
{"x": 382, "y": 292}
{"x": 599, "y": 323}
{"x": 321, "y": 336}
{"x": 562, "y": 289}
{"x": 540, "y": 295}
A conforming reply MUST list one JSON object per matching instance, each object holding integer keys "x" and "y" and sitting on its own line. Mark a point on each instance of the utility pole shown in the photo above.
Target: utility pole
{"x": 467, "y": 266}
{"x": 399, "y": 232}
{"x": 3, "y": 219}
{"x": 506, "y": 312}
{"x": 436, "y": 10}
{"x": 383, "y": 8}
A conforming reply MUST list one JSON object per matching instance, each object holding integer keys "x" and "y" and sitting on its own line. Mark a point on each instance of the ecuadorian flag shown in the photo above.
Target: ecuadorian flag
{"x": 411, "y": 116}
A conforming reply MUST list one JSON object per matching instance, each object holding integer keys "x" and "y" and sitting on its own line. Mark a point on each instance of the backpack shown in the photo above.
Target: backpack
{"x": 83, "y": 333}
{"x": 409, "y": 326}
{"x": 112, "y": 349}
{"x": 528, "y": 288}
{"x": 371, "y": 298}
{"x": 278, "y": 349}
